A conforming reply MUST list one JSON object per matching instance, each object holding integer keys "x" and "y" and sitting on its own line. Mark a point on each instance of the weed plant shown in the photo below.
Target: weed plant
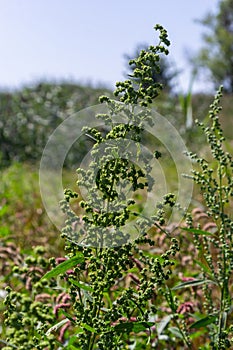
{"x": 214, "y": 245}
{"x": 170, "y": 286}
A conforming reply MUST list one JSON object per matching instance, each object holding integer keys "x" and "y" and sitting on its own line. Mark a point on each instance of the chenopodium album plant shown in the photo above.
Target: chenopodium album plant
{"x": 214, "y": 245}
{"x": 115, "y": 289}
{"x": 114, "y": 285}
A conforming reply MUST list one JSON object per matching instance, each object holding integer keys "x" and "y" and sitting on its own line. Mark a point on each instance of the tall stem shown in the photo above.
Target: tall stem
{"x": 224, "y": 284}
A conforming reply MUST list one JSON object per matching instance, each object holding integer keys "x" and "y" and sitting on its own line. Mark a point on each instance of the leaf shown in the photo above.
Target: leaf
{"x": 133, "y": 270}
{"x": 106, "y": 295}
{"x": 135, "y": 327}
{"x": 72, "y": 341}
{"x": 81, "y": 285}
{"x": 192, "y": 283}
{"x": 176, "y": 332}
{"x": 197, "y": 231}
{"x": 204, "y": 267}
{"x": 198, "y": 333}
{"x": 141, "y": 326}
{"x": 64, "y": 266}
{"x": 88, "y": 328}
{"x": 7, "y": 343}
{"x": 57, "y": 326}
{"x": 163, "y": 324}
{"x": 67, "y": 315}
{"x": 204, "y": 321}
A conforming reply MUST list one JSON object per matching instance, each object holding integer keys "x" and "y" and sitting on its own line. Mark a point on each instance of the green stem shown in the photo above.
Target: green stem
{"x": 171, "y": 304}
{"x": 224, "y": 284}
{"x": 92, "y": 343}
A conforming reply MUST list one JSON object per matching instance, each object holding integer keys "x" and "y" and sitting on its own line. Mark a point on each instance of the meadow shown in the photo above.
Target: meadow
{"x": 169, "y": 288}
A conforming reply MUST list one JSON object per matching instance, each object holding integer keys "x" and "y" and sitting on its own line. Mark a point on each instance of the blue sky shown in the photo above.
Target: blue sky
{"x": 85, "y": 40}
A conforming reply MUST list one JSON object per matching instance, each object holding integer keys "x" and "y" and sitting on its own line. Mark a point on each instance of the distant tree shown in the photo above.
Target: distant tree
{"x": 166, "y": 73}
{"x": 29, "y": 116}
{"x": 216, "y": 56}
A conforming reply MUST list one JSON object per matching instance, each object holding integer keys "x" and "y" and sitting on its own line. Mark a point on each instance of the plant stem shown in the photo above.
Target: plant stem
{"x": 224, "y": 284}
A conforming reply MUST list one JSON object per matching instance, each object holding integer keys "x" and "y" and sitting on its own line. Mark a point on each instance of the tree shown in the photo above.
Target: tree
{"x": 164, "y": 75}
{"x": 216, "y": 56}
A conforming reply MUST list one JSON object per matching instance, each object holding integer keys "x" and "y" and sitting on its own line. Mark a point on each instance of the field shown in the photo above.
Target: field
{"x": 180, "y": 274}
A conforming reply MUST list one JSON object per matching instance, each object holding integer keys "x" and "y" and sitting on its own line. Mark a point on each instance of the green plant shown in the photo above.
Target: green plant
{"x": 29, "y": 307}
{"x": 215, "y": 248}
{"x": 165, "y": 74}
{"x": 128, "y": 280}
{"x": 106, "y": 313}
{"x": 109, "y": 314}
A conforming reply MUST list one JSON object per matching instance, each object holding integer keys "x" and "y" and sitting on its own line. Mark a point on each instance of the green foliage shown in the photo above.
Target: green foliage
{"x": 28, "y": 117}
{"x": 63, "y": 267}
{"x": 216, "y": 55}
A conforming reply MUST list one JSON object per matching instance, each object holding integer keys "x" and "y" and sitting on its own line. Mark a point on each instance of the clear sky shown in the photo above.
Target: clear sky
{"x": 86, "y": 40}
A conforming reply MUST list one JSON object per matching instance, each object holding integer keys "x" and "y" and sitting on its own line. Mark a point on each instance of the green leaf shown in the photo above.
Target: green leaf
{"x": 176, "y": 332}
{"x": 203, "y": 266}
{"x": 192, "y": 283}
{"x": 197, "y": 231}
{"x": 134, "y": 269}
{"x": 198, "y": 333}
{"x": 88, "y": 328}
{"x": 141, "y": 326}
{"x": 135, "y": 327}
{"x": 64, "y": 266}
{"x": 204, "y": 321}
{"x": 73, "y": 340}
{"x": 67, "y": 315}
{"x": 106, "y": 295}
{"x": 81, "y": 285}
